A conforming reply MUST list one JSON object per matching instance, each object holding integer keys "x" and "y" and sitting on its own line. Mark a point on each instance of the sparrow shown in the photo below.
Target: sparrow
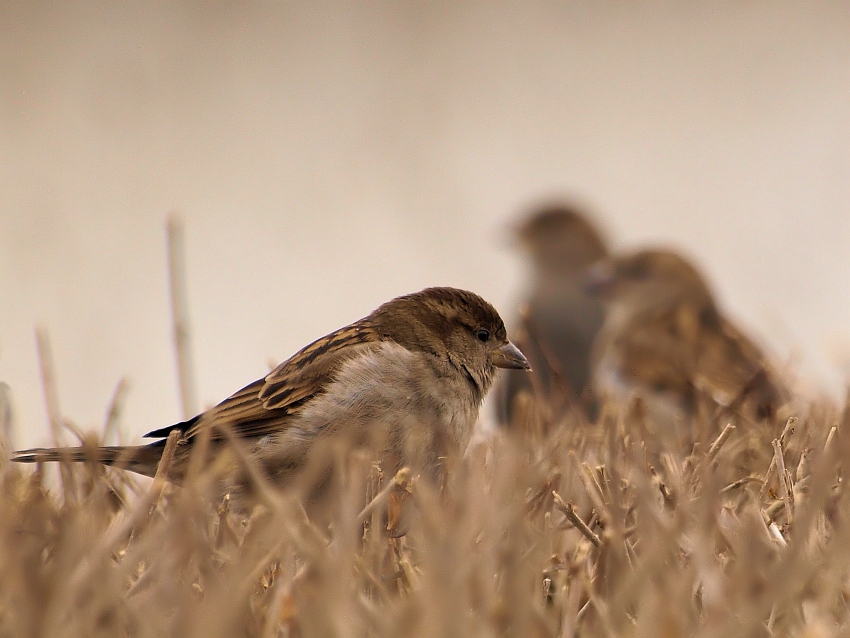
{"x": 406, "y": 382}
{"x": 559, "y": 319}
{"x": 665, "y": 341}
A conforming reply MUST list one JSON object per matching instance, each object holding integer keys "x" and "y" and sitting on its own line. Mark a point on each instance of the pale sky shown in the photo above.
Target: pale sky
{"x": 328, "y": 157}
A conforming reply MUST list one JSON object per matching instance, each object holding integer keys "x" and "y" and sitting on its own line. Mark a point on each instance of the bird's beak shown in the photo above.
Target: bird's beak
{"x": 599, "y": 278}
{"x": 509, "y": 356}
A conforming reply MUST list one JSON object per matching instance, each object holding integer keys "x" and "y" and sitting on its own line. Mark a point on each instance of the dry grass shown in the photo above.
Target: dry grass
{"x": 581, "y": 532}
{"x": 569, "y": 529}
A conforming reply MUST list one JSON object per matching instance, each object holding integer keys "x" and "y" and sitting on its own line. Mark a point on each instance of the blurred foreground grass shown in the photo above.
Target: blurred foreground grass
{"x": 583, "y": 531}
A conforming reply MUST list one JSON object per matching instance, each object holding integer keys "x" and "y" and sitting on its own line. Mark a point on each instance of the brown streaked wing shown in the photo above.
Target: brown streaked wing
{"x": 306, "y": 372}
{"x": 728, "y": 362}
{"x": 266, "y": 405}
{"x": 242, "y": 412}
{"x": 655, "y": 354}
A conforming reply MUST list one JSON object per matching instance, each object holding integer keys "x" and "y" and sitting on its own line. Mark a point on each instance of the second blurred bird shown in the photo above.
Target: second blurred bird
{"x": 558, "y": 318}
{"x": 665, "y": 341}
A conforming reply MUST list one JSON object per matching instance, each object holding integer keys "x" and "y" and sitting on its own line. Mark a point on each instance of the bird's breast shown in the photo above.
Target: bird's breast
{"x": 390, "y": 396}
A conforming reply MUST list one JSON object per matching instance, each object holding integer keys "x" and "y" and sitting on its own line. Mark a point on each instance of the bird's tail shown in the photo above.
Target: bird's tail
{"x": 142, "y": 459}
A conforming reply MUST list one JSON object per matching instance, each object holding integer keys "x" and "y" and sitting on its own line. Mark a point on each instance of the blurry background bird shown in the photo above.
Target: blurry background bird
{"x": 405, "y": 382}
{"x": 665, "y": 341}
{"x": 558, "y": 318}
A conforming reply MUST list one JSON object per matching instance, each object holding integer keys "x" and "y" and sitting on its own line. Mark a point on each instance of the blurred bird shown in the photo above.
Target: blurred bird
{"x": 559, "y": 319}
{"x": 665, "y": 341}
{"x": 406, "y": 382}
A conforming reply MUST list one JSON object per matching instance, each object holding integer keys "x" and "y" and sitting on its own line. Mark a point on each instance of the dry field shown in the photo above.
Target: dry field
{"x": 572, "y": 529}
{"x": 561, "y": 528}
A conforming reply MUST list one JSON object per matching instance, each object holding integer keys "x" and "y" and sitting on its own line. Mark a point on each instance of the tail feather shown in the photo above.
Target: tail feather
{"x": 142, "y": 459}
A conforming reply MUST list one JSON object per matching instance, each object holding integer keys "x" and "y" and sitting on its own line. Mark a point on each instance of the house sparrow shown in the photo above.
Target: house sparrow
{"x": 665, "y": 341}
{"x": 559, "y": 319}
{"x": 406, "y": 382}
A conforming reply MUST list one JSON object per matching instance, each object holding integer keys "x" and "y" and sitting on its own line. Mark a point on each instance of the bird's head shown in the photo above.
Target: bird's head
{"x": 454, "y": 325}
{"x": 648, "y": 280}
{"x": 560, "y": 240}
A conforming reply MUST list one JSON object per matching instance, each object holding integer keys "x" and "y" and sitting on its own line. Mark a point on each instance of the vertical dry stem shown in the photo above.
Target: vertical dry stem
{"x": 51, "y": 402}
{"x": 7, "y": 421}
{"x": 180, "y": 316}
{"x": 785, "y": 489}
{"x": 112, "y": 428}
{"x": 48, "y": 384}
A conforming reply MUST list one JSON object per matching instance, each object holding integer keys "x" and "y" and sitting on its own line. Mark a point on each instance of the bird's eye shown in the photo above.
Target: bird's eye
{"x": 482, "y": 334}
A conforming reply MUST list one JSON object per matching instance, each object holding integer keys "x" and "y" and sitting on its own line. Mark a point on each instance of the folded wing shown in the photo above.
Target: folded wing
{"x": 268, "y": 405}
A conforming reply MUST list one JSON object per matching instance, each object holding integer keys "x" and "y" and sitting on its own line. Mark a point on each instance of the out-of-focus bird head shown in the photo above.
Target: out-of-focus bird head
{"x": 647, "y": 281}
{"x": 455, "y": 325}
{"x": 560, "y": 240}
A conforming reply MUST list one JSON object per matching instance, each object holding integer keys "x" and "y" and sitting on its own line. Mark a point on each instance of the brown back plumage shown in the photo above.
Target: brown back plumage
{"x": 664, "y": 334}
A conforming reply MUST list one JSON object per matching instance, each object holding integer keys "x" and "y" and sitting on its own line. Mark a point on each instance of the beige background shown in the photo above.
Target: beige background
{"x": 327, "y": 157}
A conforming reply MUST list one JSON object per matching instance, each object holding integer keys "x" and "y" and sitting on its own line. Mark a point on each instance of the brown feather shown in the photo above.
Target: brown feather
{"x": 304, "y": 374}
{"x": 268, "y": 405}
{"x": 665, "y": 334}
